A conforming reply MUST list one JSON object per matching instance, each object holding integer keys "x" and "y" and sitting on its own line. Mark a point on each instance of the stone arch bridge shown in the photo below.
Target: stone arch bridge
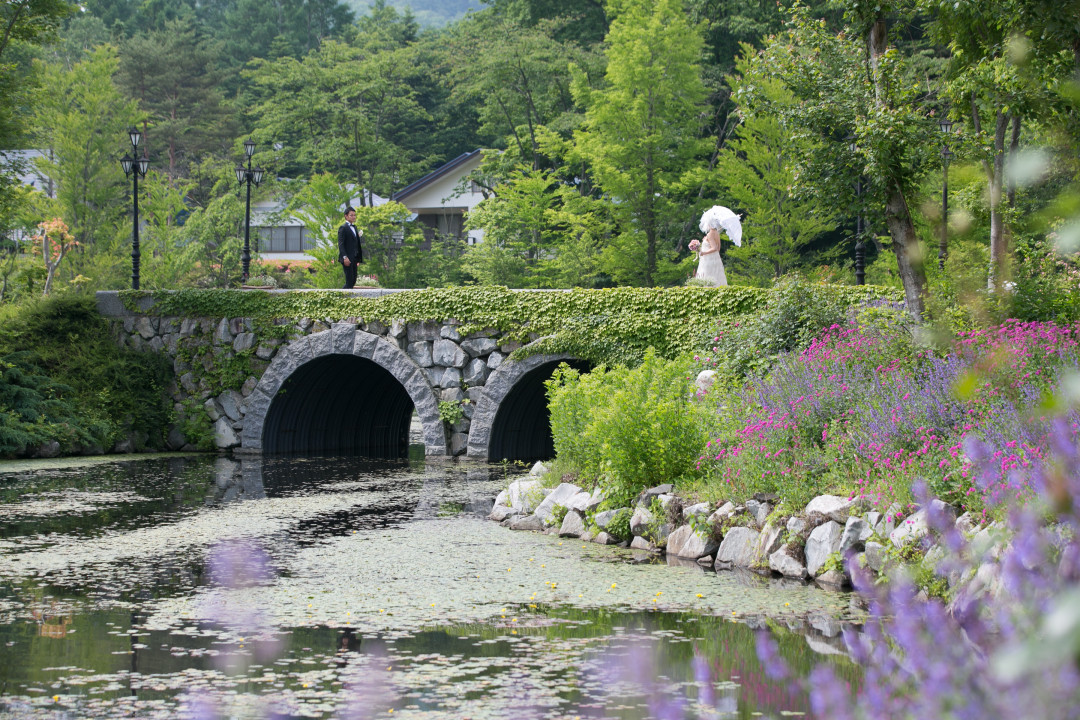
{"x": 348, "y": 387}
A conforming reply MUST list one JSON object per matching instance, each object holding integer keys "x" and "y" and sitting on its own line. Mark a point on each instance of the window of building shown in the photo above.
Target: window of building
{"x": 289, "y": 238}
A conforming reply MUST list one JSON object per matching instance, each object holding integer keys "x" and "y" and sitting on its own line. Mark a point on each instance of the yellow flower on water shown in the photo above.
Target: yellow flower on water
{"x": 659, "y": 593}
{"x": 787, "y": 604}
{"x": 432, "y": 604}
{"x": 614, "y": 584}
{"x": 513, "y": 632}
{"x": 700, "y": 595}
{"x": 513, "y": 619}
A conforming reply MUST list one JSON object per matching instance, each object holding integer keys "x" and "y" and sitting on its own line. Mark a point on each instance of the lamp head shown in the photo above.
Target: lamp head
{"x": 144, "y": 165}
{"x": 125, "y": 163}
{"x": 135, "y": 136}
{"x": 241, "y": 174}
{"x": 258, "y": 173}
{"x": 249, "y": 147}
{"x": 945, "y": 124}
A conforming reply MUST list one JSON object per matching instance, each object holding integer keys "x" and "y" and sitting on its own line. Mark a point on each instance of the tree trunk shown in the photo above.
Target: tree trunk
{"x": 905, "y": 241}
{"x": 1014, "y": 147}
{"x": 998, "y": 245}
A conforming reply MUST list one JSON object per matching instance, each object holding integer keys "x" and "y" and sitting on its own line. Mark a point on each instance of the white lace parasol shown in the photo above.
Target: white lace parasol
{"x": 721, "y": 218}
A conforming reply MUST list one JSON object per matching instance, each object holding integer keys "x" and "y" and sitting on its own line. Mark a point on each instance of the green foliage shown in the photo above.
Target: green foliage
{"x": 451, "y": 412}
{"x": 756, "y": 170}
{"x": 619, "y": 525}
{"x": 196, "y": 426}
{"x": 621, "y": 322}
{"x": 82, "y": 117}
{"x": 629, "y": 428}
{"x": 558, "y": 514}
{"x": 64, "y": 378}
{"x": 641, "y": 134}
{"x": 796, "y": 312}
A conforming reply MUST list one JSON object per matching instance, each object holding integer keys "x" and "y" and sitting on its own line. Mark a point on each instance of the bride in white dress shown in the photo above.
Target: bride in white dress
{"x": 710, "y": 266}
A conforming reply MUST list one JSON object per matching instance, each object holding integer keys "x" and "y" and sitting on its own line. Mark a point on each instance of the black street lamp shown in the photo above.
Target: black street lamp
{"x": 860, "y": 246}
{"x": 136, "y": 167}
{"x": 248, "y": 176}
{"x": 945, "y": 125}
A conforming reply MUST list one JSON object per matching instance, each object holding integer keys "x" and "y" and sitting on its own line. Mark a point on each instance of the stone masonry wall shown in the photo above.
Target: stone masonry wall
{"x": 219, "y": 361}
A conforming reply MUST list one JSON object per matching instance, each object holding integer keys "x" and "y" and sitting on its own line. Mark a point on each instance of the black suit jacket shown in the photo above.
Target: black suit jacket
{"x": 348, "y": 244}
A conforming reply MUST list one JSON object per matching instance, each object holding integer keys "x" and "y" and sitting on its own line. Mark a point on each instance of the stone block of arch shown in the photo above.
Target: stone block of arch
{"x": 328, "y": 348}
{"x": 499, "y": 387}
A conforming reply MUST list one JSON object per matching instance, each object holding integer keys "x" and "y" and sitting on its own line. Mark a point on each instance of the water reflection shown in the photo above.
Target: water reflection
{"x": 248, "y": 587}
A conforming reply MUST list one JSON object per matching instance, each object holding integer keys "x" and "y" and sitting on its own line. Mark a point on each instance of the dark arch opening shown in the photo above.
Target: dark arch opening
{"x": 522, "y": 426}
{"x": 340, "y": 404}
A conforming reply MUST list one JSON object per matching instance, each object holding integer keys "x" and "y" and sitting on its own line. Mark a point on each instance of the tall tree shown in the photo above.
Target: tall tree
{"x": 340, "y": 111}
{"x": 851, "y": 88}
{"x": 640, "y": 137}
{"x": 174, "y": 75}
{"x": 81, "y": 119}
{"x": 994, "y": 94}
{"x": 22, "y": 22}
{"x": 518, "y": 78}
{"x": 755, "y": 173}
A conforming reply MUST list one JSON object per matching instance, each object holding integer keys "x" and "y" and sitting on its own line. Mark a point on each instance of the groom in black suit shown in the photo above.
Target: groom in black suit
{"x": 349, "y": 252}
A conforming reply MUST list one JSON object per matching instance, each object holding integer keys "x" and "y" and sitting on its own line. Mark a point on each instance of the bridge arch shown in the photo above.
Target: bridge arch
{"x": 341, "y": 390}
{"x": 511, "y": 419}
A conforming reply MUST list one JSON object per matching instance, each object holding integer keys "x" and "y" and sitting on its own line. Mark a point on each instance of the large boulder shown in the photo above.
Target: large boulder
{"x": 501, "y": 512}
{"x": 737, "y": 549}
{"x": 701, "y": 509}
{"x": 910, "y": 529}
{"x": 822, "y": 543}
{"x": 646, "y": 497}
{"x": 573, "y": 525}
{"x": 685, "y": 542}
{"x": 525, "y": 495}
{"x": 788, "y": 561}
{"x": 559, "y": 496}
{"x": 527, "y": 522}
{"x": 640, "y": 521}
{"x": 585, "y": 502}
{"x": 602, "y": 519}
{"x": 759, "y": 511}
{"x": 856, "y": 532}
{"x": 768, "y": 542}
{"x": 830, "y": 507}
{"x": 724, "y": 512}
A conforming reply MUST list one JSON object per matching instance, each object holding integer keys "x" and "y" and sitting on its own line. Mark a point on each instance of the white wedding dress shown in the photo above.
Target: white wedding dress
{"x": 711, "y": 268}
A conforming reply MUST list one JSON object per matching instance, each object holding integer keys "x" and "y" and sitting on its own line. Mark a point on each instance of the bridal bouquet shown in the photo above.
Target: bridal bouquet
{"x": 694, "y": 245}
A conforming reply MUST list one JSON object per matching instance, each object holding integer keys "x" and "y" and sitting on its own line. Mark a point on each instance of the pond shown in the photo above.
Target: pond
{"x": 202, "y": 587}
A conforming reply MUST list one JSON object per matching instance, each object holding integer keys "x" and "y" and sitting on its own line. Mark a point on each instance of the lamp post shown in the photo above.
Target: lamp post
{"x": 248, "y": 176}
{"x": 136, "y": 167}
{"x": 945, "y": 125}
{"x": 860, "y": 246}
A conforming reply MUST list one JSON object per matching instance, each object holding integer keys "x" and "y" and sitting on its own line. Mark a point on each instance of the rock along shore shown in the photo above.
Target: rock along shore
{"x": 756, "y": 535}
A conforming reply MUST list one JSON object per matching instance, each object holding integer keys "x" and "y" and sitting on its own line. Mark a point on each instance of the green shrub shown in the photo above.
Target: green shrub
{"x": 619, "y": 527}
{"x": 65, "y": 378}
{"x": 629, "y": 428}
{"x": 797, "y": 311}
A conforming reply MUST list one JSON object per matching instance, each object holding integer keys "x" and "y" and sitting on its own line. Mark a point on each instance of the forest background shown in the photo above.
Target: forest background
{"x": 608, "y": 128}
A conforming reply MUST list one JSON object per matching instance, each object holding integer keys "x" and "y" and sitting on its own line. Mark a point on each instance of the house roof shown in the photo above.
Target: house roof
{"x": 434, "y": 175}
